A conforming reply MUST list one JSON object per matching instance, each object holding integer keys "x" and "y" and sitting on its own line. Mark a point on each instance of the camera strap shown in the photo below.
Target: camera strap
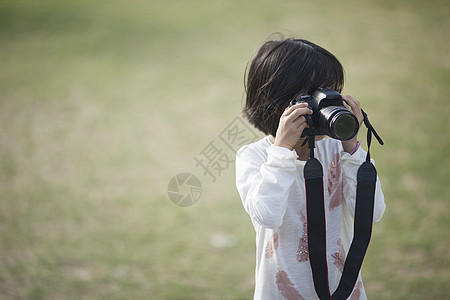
{"x": 316, "y": 222}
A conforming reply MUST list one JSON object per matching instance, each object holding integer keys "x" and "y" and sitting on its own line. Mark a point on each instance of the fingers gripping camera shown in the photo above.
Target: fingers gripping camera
{"x": 329, "y": 117}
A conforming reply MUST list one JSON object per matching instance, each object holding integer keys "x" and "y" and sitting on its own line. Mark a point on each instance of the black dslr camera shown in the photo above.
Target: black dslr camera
{"x": 329, "y": 117}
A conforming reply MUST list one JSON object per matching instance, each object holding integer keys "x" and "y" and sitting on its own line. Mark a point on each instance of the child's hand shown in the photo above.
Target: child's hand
{"x": 354, "y": 106}
{"x": 291, "y": 126}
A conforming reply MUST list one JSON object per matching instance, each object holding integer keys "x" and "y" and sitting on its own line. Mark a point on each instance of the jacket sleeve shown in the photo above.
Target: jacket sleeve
{"x": 350, "y": 166}
{"x": 263, "y": 183}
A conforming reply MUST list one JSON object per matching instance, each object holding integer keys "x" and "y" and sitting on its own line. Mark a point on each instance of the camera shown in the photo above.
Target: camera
{"x": 329, "y": 117}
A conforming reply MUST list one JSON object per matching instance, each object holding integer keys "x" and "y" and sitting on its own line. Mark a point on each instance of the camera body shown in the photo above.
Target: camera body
{"x": 329, "y": 117}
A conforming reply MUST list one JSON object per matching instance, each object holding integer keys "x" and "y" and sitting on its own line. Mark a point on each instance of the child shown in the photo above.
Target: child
{"x": 269, "y": 173}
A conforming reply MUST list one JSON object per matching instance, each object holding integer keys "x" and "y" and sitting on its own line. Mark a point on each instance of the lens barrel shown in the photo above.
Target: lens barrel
{"x": 338, "y": 122}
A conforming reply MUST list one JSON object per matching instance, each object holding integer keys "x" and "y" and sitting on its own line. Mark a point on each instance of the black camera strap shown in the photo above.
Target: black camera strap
{"x": 363, "y": 220}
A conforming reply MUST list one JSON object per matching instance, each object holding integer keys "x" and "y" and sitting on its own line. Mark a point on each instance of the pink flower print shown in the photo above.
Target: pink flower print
{"x": 272, "y": 245}
{"x": 339, "y": 257}
{"x": 302, "y": 252}
{"x": 356, "y": 294}
{"x": 286, "y": 287}
{"x": 335, "y": 183}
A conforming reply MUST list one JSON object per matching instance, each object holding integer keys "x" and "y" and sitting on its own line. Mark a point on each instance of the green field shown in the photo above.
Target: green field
{"x": 103, "y": 102}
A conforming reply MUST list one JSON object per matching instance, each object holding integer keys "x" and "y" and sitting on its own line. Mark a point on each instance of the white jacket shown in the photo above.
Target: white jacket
{"x": 271, "y": 184}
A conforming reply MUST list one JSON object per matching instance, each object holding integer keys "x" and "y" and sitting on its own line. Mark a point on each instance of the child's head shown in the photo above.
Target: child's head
{"x": 282, "y": 70}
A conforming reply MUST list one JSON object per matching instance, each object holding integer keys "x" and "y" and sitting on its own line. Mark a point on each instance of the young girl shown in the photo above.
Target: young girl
{"x": 269, "y": 173}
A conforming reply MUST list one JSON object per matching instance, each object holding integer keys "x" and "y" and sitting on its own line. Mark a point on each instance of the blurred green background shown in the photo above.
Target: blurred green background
{"x": 103, "y": 102}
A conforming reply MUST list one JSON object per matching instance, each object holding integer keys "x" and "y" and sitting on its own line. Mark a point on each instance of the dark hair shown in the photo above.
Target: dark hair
{"x": 282, "y": 70}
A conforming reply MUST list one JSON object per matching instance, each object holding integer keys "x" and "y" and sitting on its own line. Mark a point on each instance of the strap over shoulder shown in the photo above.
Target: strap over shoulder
{"x": 363, "y": 221}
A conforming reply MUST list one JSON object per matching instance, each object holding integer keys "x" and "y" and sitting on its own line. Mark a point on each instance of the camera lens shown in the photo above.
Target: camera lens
{"x": 344, "y": 126}
{"x": 338, "y": 122}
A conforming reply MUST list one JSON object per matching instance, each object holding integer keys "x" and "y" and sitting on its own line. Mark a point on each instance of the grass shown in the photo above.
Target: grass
{"x": 102, "y": 103}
